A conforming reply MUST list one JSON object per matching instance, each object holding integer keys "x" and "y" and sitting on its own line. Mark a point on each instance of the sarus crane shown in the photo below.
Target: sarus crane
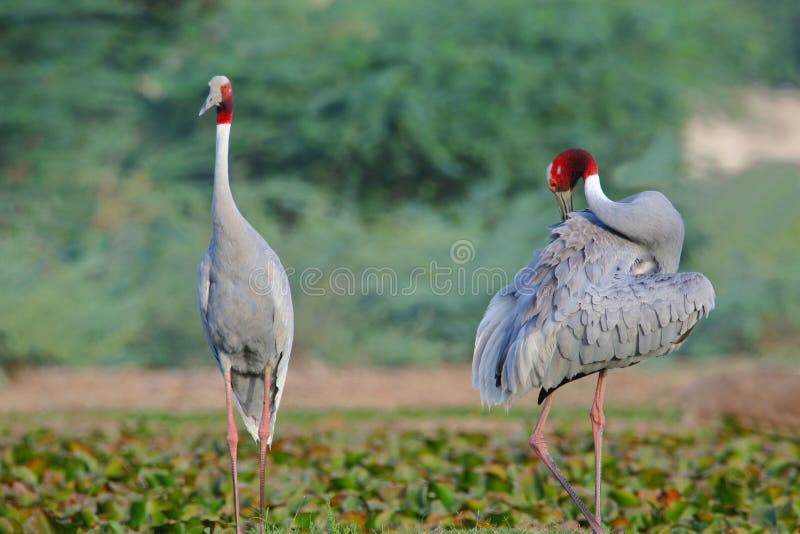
{"x": 603, "y": 293}
{"x": 245, "y": 306}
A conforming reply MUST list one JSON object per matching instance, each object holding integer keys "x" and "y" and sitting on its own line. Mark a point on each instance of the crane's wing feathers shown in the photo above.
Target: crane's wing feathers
{"x": 203, "y": 286}
{"x": 572, "y": 259}
{"x": 622, "y": 323}
{"x": 283, "y": 330}
{"x": 581, "y": 306}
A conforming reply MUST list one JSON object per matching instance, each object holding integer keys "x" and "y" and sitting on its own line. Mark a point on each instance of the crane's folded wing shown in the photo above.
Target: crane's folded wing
{"x": 619, "y": 324}
{"x": 203, "y": 286}
{"x": 282, "y": 328}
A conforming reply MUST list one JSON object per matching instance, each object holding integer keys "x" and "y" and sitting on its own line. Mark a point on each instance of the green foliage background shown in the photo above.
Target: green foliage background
{"x": 367, "y": 134}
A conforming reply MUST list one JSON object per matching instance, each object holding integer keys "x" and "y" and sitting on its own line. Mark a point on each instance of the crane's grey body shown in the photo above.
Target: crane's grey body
{"x": 245, "y": 304}
{"x": 602, "y": 294}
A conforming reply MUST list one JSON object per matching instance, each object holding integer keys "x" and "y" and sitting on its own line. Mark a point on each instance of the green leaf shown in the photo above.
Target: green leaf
{"x": 9, "y": 526}
{"x": 115, "y": 469}
{"x": 675, "y": 510}
{"x": 89, "y": 517}
{"x": 24, "y": 474}
{"x": 6, "y": 510}
{"x": 345, "y": 481}
{"x": 443, "y": 493}
{"x": 39, "y": 523}
{"x": 137, "y": 514}
{"x": 108, "y": 509}
{"x": 116, "y": 527}
{"x": 624, "y": 497}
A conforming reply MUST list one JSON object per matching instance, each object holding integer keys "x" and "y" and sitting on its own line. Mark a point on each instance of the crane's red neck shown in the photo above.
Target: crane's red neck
{"x": 568, "y": 167}
{"x": 225, "y": 108}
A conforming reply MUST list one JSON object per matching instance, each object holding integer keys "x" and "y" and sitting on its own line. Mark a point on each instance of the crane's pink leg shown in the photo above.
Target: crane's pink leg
{"x": 598, "y": 424}
{"x": 233, "y": 441}
{"x": 540, "y": 448}
{"x": 263, "y": 436}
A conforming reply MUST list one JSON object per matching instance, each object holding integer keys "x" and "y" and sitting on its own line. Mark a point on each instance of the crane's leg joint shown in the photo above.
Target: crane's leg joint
{"x": 263, "y": 431}
{"x": 537, "y": 444}
{"x": 597, "y": 417}
{"x": 233, "y": 439}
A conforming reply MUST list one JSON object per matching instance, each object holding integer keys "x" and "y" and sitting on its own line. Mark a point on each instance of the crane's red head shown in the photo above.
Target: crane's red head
{"x": 564, "y": 172}
{"x": 220, "y": 95}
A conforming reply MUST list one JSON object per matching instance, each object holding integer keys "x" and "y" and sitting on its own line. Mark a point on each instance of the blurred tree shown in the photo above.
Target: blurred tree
{"x": 355, "y": 120}
{"x": 390, "y": 100}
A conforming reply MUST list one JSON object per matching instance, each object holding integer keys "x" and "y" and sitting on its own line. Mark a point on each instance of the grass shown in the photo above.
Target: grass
{"x": 408, "y": 470}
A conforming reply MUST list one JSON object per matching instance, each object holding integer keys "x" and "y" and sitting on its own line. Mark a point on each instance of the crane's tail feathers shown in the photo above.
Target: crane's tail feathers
{"x": 276, "y": 388}
{"x": 490, "y": 344}
{"x": 248, "y": 392}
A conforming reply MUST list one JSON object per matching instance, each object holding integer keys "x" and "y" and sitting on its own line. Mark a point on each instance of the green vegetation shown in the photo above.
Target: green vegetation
{"x": 335, "y": 473}
{"x": 367, "y": 134}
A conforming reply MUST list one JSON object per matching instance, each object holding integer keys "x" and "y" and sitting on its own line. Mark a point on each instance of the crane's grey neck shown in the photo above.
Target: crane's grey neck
{"x": 223, "y": 208}
{"x": 648, "y": 219}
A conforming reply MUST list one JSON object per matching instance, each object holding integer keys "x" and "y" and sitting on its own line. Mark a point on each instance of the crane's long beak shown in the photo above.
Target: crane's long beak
{"x": 209, "y": 103}
{"x": 564, "y": 199}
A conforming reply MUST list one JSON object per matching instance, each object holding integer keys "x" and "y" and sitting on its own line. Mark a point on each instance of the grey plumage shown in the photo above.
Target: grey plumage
{"x": 246, "y": 312}
{"x": 591, "y": 299}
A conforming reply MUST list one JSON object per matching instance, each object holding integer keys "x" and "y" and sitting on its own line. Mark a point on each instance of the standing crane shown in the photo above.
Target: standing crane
{"x": 603, "y": 293}
{"x": 245, "y": 306}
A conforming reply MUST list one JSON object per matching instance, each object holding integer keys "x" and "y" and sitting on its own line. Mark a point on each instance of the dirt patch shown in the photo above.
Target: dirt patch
{"x": 766, "y": 399}
{"x": 308, "y": 385}
{"x": 734, "y": 386}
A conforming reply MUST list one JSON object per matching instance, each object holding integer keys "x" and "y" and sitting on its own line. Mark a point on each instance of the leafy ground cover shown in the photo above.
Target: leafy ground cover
{"x": 385, "y": 471}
